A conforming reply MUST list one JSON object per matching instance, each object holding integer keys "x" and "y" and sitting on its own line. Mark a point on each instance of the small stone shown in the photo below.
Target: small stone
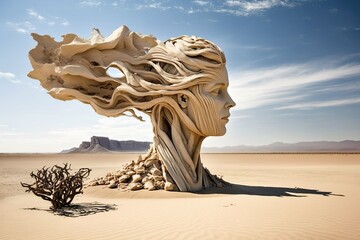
{"x": 156, "y": 172}
{"x": 157, "y": 164}
{"x": 145, "y": 179}
{"x": 149, "y": 162}
{"x": 109, "y": 178}
{"x": 113, "y": 184}
{"x": 124, "y": 178}
{"x": 169, "y": 186}
{"x": 139, "y": 169}
{"x": 92, "y": 184}
{"x": 136, "y": 178}
{"x": 158, "y": 178}
{"x": 101, "y": 182}
{"x": 149, "y": 185}
{"x": 123, "y": 185}
{"x": 160, "y": 184}
{"x": 130, "y": 173}
{"x": 135, "y": 186}
{"x": 138, "y": 160}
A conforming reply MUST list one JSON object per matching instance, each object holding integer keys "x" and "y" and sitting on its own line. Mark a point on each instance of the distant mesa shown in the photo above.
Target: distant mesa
{"x": 104, "y": 144}
{"x": 279, "y": 147}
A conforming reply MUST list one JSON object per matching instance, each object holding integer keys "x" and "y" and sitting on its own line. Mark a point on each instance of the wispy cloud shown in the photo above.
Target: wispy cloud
{"x": 65, "y": 23}
{"x": 155, "y": 5}
{"x": 34, "y": 14}
{"x": 29, "y": 25}
{"x": 91, "y": 3}
{"x": 248, "y": 7}
{"x": 286, "y": 86}
{"x": 201, "y": 2}
{"x": 231, "y": 7}
{"x": 9, "y": 77}
{"x": 21, "y": 27}
{"x": 317, "y": 104}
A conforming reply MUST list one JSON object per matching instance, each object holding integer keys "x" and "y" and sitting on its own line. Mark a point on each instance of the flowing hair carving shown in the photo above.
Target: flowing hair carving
{"x": 155, "y": 73}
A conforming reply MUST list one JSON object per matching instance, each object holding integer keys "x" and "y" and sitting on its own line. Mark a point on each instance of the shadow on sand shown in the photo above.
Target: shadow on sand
{"x": 79, "y": 210}
{"x": 266, "y": 191}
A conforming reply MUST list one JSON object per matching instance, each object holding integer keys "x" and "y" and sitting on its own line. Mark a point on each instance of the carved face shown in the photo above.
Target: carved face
{"x": 212, "y": 110}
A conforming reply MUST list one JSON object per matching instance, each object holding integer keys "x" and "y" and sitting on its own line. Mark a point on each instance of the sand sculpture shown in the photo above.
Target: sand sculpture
{"x": 180, "y": 83}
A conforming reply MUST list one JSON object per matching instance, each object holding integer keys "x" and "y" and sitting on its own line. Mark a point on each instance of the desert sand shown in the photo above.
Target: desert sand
{"x": 274, "y": 196}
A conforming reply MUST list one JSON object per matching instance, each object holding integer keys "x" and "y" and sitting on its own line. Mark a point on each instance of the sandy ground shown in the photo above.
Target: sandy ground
{"x": 274, "y": 196}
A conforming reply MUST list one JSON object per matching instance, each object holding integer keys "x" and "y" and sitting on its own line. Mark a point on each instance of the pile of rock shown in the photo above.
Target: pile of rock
{"x": 144, "y": 173}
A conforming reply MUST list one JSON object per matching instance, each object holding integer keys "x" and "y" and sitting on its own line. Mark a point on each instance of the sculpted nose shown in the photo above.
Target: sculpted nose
{"x": 229, "y": 102}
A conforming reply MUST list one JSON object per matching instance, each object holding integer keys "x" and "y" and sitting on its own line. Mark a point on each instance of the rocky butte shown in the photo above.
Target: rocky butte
{"x": 104, "y": 144}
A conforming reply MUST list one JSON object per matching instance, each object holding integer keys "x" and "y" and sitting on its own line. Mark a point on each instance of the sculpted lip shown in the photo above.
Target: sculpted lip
{"x": 225, "y": 118}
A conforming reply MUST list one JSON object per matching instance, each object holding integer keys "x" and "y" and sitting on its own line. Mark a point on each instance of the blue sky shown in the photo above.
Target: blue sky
{"x": 294, "y": 68}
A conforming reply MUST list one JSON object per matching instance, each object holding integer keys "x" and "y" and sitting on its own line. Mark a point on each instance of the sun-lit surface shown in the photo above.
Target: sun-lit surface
{"x": 276, "y": 196}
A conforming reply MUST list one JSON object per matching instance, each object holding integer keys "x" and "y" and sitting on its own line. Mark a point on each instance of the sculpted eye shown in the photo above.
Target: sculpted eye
{"x": 216, "y": 91}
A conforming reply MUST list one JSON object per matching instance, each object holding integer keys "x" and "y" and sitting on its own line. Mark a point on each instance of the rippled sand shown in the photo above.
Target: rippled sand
{"x": 274, "y": 196}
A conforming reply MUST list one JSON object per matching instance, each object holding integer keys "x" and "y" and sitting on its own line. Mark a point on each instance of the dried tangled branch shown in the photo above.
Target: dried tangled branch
{"x": 57, "y": 184}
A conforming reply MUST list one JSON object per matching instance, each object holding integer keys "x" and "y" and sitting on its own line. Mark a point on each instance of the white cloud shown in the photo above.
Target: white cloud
{"x": 201, "y": 2}
{"x": 245, "y": 8}
{"x": 285, "y": 85}
{"x": 21, "y": 27}
{"x": 91, "y": 3}
{"x": 9, "y": 77}
{"x": 117, "y": 3}
{"x": 317, "y": 104}
{"x": 65, "y": 23}
{"x": 34, "y": 14}
{"x": 181, "y": 8}
{"x": 259, "y": 5}
{"x": 28, "y": 26}
{"x": 21, "y": 30}
{"x": 232, "y": 7}
{"x": 157, "y": 5}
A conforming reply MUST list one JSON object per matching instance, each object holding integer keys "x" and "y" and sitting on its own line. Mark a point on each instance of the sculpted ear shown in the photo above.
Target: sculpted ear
{"x": 182, "y": 100}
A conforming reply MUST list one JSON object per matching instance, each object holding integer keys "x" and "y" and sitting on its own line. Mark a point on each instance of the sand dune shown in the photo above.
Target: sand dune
{"x": 274, "y": 196}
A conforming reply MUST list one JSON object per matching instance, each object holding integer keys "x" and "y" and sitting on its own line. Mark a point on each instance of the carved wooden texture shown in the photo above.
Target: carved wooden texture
{"x": 162, "y": 79}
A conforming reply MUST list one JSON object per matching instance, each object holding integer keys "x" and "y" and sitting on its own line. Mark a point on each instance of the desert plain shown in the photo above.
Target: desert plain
{"x": 273, "y": 196}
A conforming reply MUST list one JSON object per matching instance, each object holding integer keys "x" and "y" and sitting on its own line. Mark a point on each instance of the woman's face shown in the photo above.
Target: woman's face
{"x": 212, "y": 112}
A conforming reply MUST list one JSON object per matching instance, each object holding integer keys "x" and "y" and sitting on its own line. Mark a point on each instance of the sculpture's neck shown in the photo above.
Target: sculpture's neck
{"x": 179, "y": 149}
{"x": 193, "y": 144}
